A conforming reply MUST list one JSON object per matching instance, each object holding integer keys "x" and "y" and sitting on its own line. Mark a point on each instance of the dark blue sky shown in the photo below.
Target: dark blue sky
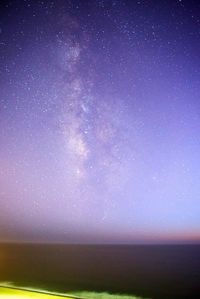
{"x": 100, "y": 121}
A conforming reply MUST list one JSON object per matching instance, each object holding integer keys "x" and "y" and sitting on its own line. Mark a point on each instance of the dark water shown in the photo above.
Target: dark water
{"x": 154, "y": 271}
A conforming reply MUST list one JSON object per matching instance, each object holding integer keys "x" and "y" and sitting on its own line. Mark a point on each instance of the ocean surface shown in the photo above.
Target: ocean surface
{"x": 152, "y": 271}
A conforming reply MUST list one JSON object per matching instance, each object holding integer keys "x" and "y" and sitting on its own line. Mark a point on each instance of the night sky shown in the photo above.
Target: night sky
{"x": 100, "y": 121}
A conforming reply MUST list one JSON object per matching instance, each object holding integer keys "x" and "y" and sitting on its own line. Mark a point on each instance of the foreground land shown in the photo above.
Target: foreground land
{"x": 24, "y": 294}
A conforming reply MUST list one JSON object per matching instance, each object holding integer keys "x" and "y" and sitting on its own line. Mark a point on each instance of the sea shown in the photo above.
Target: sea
{"x": 150, "y": 271}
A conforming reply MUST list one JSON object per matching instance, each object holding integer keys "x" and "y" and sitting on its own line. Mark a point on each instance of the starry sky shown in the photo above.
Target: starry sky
{"x": 100, "y": 121}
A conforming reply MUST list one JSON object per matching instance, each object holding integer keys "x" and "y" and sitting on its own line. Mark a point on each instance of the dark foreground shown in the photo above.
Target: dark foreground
{"x": 153, "y": 271}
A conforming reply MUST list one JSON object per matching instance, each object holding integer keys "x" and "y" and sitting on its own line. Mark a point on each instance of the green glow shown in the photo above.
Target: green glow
{"x": 10, "y": 291}
{"x": 104, "y": 295}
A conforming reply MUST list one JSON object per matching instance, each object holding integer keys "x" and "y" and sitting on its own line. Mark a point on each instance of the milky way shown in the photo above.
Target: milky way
{"x": 99, "y": 121}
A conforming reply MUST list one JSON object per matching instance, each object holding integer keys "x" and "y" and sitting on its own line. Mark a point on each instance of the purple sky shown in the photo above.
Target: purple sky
{"x": 100, "y": 121}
